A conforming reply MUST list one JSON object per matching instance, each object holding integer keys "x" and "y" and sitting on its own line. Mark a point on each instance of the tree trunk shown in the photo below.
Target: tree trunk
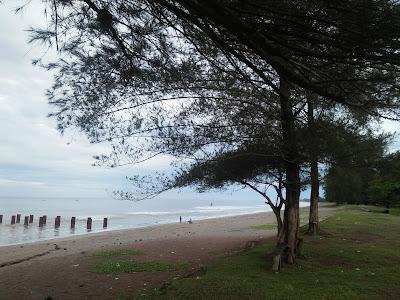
{"x": 279, "y": 221}
{"x": 292, "y": 168}
{"x": 313, "y": 222}
{"x": 282, "y": 232}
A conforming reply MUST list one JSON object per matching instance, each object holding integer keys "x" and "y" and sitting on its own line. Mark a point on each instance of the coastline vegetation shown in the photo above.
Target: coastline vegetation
{"x": 272, "y": 96}
{"x": 355, "y": 257}
{"x": 245, "y": 93}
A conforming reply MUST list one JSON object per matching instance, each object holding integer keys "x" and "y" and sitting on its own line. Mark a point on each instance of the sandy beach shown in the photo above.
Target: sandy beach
{"x": 64, "y": 268}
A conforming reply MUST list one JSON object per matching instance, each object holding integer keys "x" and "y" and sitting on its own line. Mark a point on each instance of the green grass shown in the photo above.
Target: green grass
{"x": 133, "y": 266}
{"x": 264, "y": 226}
{"x": 357, "y": 256}
{"x": 395, "y": 211}
{"x": 118, "y": 252}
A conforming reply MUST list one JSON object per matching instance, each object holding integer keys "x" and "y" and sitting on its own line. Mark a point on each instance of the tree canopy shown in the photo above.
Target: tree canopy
{"x": 202, "y": 80}
{"x": 354, "y": 166}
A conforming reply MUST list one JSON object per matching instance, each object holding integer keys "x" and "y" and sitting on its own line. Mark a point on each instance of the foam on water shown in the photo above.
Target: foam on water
{"x": 120, "y": 214}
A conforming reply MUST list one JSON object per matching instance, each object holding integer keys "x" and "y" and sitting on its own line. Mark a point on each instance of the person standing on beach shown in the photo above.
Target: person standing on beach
{"x": 180, "y": 219}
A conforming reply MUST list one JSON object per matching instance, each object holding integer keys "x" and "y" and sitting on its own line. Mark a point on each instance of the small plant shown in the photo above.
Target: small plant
{"x": 133, "y": 266}
{"x": 119, "y": 252}
{"x": 264, "y": 226}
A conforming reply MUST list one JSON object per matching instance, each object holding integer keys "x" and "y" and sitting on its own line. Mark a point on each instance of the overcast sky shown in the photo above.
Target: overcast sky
{"x": 35, "y": 160}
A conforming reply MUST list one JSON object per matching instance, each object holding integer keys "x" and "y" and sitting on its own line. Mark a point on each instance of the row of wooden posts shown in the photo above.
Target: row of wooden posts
{"x": 16, "y": 219}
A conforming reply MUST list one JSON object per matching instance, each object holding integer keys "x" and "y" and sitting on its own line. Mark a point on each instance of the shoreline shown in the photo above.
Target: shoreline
{"x": 64, "y": 268}
{"x": 107, "y": 231}
{"x": 96, "y": 232}
{"x": 89, "y": 242}
{"x": 238, "y": 225}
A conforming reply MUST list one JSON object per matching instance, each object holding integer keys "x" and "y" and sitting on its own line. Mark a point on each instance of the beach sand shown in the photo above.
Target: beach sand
{"x": 64, "y": 268}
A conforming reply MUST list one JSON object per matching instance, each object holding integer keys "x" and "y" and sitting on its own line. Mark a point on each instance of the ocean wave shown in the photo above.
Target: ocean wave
{"x": 227, "y": 207}
{"x": 96, "y": 218}
{"x": 202, "y": 210}
{"x": 159, "y": 213}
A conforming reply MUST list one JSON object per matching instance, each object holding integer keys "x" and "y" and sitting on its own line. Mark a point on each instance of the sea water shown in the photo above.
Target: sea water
{"x": 120, "y": 214}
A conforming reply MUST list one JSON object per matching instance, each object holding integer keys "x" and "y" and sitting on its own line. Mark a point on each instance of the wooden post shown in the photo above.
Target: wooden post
{"x": 30, "y": 219}
{"x": 105, "y": 223}
{"x": 1, "y": 219}
{"x": 44, "y": 220}
{"x": 89, "y": 224}
{"x": 41, "y": 221}
{"x": 18, "y": 218}
{"x": 12, "y": 220}
{"x": 57, "y": 222}
{"x": 73, "y": 223}
{"x": 26, "y": 221}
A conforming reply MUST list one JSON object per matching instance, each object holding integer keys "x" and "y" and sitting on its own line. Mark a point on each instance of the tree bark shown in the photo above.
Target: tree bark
{"x": 313, "y": 222}
{"x": 292, "y": 168}
{"x": 279, "y": 221}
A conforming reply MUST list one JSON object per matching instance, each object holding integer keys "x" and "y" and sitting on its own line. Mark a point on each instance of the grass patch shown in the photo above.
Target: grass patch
{"x": 118, "y": 252}
{"x": 357, "y": 258}
{"x": 264, "y": 227}
{"x": 133, "y": 266}
{"x": 395, "y": 211}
